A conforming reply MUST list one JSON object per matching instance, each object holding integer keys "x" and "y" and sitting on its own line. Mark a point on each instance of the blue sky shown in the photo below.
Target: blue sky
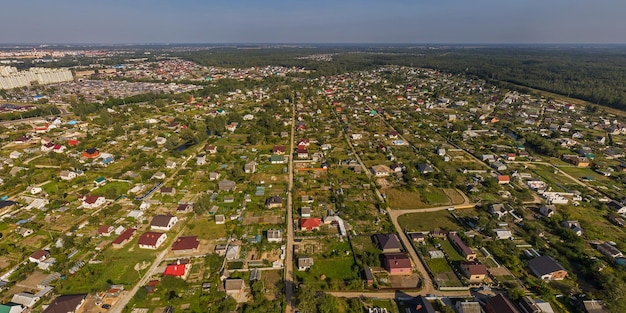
{"x": 313, "y": 21}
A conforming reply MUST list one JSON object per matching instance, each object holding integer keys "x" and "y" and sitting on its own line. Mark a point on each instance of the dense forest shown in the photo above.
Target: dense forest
{"x": 595, "y": 74}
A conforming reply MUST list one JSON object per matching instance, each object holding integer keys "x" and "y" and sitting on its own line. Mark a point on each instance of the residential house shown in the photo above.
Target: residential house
{"x": 220, "y": 250}
{"x": 211, "y": 149}
{"x": 91, "y": 153}
{"x": 151, "y": 240}
{"x": 418, "y": 237}
{"x": 425, "y": 168}
{"x": 123, "y": 238}
{"x": 488, "y": 158}
{"x": 47, "y": 147}
{"x": 201, "y": 160}
{"x": 39, "y": 256}
{"x": 158, "y": 175}
{"x": 274, "y": 235}
{"x": 468, "y": 307}
{"x": 617, "y": 207}
{"x": 380, "y": 170}
{"x": 577, "y": 160}
{"x": 502, "y": 233}
{"x": 232, "y": 252}
{"x": 528, "y": 305}
{"x": 498, "y": 210}
{"x": 397, "y": 263}
{"x": 574, "y": 226}
{"x": 460, "y": 246}
{"x": 305, "y": 263}
{"x": 180, "y": 269}
{"x": 498, "y": 166}
{"x": 66, "y": 304}
{"x": 310, "y": 224}
{"x": 503, "y": 179}
{"x": 277, "y": 159}
{"x": 170, "y": 164}
{"x": 214, "y": 176}
{"x": 100, "y": 181}
{"x": 183, "y": 208}
{"x": 305, "y": 211}
{"x": 186, "y": 244}
{"x": 11, "y": 308}
{"x": 500, "y": 304}
{"x": 92, "y": 202}
{"x": 547, "y": 210}
{"x": 609, "y": 250}
{"x": 546, "y": 268}
{"x": 419, "y": 304}
{"x": 234, "y": 287}
{"x": 302, "y": 152}
{"x": 105, "y": 230}
{"x": 163, "y": 222}
{"x": 278, "y": 150}
{"x": 169, "y": 191}
{"x": 475, "y": 272}
{"x": 26, "y": 299}
{"x": 388, "y": 243}
{"x": 274, "y": 202}
{"x": 220, "y": 219}
{"x": 67, "y": 175}
{"x": 250, "y": 167}
{"x": 226, "y": 185}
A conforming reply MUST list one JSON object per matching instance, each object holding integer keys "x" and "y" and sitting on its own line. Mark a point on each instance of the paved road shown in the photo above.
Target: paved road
{"x": 289, "y": 282}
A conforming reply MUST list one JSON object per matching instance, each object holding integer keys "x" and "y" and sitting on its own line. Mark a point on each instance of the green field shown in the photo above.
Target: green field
{"x": 428, "y": 221}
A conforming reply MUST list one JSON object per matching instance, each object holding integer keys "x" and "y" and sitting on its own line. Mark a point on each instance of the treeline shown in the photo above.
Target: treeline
{"x": 597, "y": 75}
{"x": 38, "y": 112}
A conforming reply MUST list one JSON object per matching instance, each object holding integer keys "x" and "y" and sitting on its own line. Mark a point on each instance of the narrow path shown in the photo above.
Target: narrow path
{"x": 289, "y": 281}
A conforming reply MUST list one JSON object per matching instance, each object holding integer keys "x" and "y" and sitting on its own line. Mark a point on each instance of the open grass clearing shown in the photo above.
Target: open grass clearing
{"x": 428, "y": 221}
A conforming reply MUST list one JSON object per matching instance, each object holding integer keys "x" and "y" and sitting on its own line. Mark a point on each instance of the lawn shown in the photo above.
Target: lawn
{"x": 434, "y": 196}
{"x": 579, "y": 172}
{"x": 557, "y": 181}
{"x": 205, "y": 228}
{"x": 112, "y": 190}
{"x": 438, "y": 265}
{"x": 428, "y": 221}
{"x": 117, "y": 267}
{"x": 425, "y": 197}
{"x": 403, "y": 200}
{"x": 332, "y": 272}
{"x": 447, "y": 247}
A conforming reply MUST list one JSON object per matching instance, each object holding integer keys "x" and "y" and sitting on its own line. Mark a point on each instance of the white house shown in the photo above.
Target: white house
{"x": 163, "y": 222}
{"x": 151, "y": 240}
{"x": 92, "y": 202}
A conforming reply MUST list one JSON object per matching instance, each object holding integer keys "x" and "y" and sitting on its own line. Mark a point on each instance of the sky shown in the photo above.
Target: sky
{"x": 313, "y": 21}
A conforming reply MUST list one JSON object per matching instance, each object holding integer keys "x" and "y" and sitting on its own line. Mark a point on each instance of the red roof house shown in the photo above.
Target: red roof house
{"x": 123, "y": 238}
{"x": 504, "y": 179}
{"x": 73, "y": 142}
{"x": 397, "y": 263}
{"x": 151, "y": 240}
{"x": 91, "y": 153}
{"x": 310, "y": 224}
{"x": 105, "y": 230}
{"x": 186, "y": 244}
{"x": 278, "y": 150}
{"x": 180, "y": 269}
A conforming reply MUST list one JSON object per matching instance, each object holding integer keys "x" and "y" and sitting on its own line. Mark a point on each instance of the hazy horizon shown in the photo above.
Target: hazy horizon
{"x": 303, "y": 22}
